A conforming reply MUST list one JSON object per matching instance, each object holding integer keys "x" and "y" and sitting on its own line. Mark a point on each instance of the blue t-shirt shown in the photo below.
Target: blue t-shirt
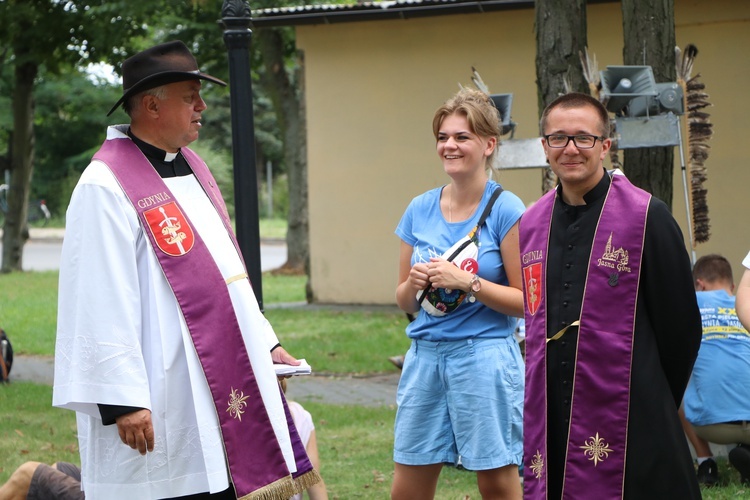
{"x": 719, "y": 388}
{"x": 423, "y": 227}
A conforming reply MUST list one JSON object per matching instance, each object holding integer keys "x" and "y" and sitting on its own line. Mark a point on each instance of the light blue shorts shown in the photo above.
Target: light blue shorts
{"x": 461, "y": 399}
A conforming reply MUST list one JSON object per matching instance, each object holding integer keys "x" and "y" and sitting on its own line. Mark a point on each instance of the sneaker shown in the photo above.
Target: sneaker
{"x": 739, "y": 457}
{"x": 708, "y": 473}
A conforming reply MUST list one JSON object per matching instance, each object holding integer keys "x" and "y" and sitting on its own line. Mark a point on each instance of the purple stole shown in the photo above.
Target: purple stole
{"x": 597, "y": 435}
{"x": 256, "y": 464}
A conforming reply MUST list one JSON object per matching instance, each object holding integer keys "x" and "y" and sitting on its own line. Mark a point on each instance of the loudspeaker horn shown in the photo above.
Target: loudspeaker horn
{"x": 620, "y": 84}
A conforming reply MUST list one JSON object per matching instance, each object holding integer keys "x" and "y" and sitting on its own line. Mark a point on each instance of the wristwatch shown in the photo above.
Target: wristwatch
{"x": 474, "y": 286}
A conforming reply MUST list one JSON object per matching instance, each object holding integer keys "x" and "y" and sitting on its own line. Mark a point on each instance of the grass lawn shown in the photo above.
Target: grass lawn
{"x": 31, "y": 429}
{"x": 272, "y": 228}
{"x": 355, "y": 442}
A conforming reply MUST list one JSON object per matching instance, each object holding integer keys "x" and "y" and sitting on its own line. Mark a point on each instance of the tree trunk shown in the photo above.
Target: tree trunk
{"x": 288, "y": 102}
{"x": 649, "y": 40}
{"x": 560, "y": 37}
{"x": 295, "y": 140}
{"x": 15, "y": 230}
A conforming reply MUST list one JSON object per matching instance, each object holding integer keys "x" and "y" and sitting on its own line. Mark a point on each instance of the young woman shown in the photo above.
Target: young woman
{"x": 461, "y": 391}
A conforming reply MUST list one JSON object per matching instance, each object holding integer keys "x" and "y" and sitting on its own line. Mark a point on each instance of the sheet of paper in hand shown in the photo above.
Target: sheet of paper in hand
{"x": 285, "y": 370}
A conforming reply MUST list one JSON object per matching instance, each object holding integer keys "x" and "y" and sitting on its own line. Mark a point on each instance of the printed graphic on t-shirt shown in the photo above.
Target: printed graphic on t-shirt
{"x": 722, "y": 323}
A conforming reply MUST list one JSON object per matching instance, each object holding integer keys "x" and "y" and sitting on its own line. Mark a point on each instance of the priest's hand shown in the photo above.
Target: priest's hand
{"x": 136, "y": 430}
{"x": 279, "y": 355}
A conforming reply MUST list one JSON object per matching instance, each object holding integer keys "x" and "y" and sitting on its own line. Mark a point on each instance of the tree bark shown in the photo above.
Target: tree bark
{"x": 15, "y": 230}
{"x": 288, "y": 101}
{"x": 649, "y": 40}
{"x": 560, "y": 37}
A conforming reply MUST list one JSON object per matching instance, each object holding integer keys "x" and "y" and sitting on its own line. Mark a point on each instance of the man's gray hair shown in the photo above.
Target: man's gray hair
{"x": 131, "y": 104}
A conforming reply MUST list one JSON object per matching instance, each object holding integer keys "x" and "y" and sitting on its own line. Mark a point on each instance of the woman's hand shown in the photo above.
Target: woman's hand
{"x": 444, "y": 274}
{"x": 411, "y": 279}
{"x": 418, "y": 276}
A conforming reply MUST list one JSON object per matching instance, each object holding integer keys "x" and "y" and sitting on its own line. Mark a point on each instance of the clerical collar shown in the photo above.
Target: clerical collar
{"x": 595, "y": 193}
{"x": 166, "y": 164}
{"x": 150, "y": 150}
{"x": 599, "y": 190}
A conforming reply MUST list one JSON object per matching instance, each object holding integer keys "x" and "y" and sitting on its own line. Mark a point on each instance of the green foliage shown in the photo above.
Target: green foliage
{"x": 279, "y": 197}
{"x": 220, "y": 163}
{"x": 70, "y": 126}
{"x": 70, "y": 120}
{"x": 267, "y": 134}
{"x": 74, "y": 30}
{"x": 196, "y": 24}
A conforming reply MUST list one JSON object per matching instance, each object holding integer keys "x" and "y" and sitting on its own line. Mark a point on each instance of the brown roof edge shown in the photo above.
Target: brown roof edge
{"x": 328, "y": 14}
{"x": 371, "y": 11}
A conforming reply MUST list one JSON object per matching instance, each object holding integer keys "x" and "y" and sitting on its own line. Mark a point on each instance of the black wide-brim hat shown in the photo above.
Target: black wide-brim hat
{"x": 169, "y": 62}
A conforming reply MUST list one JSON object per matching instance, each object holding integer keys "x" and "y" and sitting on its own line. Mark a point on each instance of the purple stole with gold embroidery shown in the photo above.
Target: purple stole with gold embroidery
{"x": 597, "y": 435}
{"x": 256, "y": 464}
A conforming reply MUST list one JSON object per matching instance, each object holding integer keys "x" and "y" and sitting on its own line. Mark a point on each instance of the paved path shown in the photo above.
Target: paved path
{"x": 42, "y": 251}
{"x": 372, "y": 390}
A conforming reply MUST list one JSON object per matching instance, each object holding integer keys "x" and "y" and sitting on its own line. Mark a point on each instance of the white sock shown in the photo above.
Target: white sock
{"x": 700, "y": 460}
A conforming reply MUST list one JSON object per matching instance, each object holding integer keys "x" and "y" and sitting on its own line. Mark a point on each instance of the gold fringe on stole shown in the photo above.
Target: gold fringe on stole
{"x": 308, "y": 479}
{"x": 284, "y": 488}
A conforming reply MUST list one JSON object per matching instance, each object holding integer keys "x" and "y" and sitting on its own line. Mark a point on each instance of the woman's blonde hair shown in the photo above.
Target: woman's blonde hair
{"x": 479, "y": 111}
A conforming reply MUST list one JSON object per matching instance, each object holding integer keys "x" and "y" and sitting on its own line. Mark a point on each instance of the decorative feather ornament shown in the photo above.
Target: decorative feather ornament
{"x": 478, "y": 82}
{"x": 567, "y": 82}
{"x": 591, "y": 73}
{"x": 700, "y": 130}
{"x": 481, "y": 86}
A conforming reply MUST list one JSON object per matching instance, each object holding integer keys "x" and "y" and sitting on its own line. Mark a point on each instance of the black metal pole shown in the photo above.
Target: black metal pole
{"x": 235, "y": 17}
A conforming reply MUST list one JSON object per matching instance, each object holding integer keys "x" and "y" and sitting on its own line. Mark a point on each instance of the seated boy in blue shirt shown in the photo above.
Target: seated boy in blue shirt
{"x": 717, "y": 400}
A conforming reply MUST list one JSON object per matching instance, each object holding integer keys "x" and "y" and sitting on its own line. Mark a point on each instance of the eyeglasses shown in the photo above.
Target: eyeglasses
{"x": 582, "y": 141}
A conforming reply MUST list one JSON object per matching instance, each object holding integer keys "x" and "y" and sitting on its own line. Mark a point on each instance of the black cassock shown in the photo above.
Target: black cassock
{"x": 666, "y": 341}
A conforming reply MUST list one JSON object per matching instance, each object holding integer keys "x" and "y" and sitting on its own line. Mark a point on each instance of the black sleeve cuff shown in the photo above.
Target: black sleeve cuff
{"x": 110, "y": 413}
{"x": 274, "y": 347}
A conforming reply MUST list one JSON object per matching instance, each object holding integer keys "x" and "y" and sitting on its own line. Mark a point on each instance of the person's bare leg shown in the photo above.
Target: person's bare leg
{"x": 500, "y": 484}
{"x": 415, "y": 482}
{"x": 18, "y": 484}
{"x": 701, "y": 446}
